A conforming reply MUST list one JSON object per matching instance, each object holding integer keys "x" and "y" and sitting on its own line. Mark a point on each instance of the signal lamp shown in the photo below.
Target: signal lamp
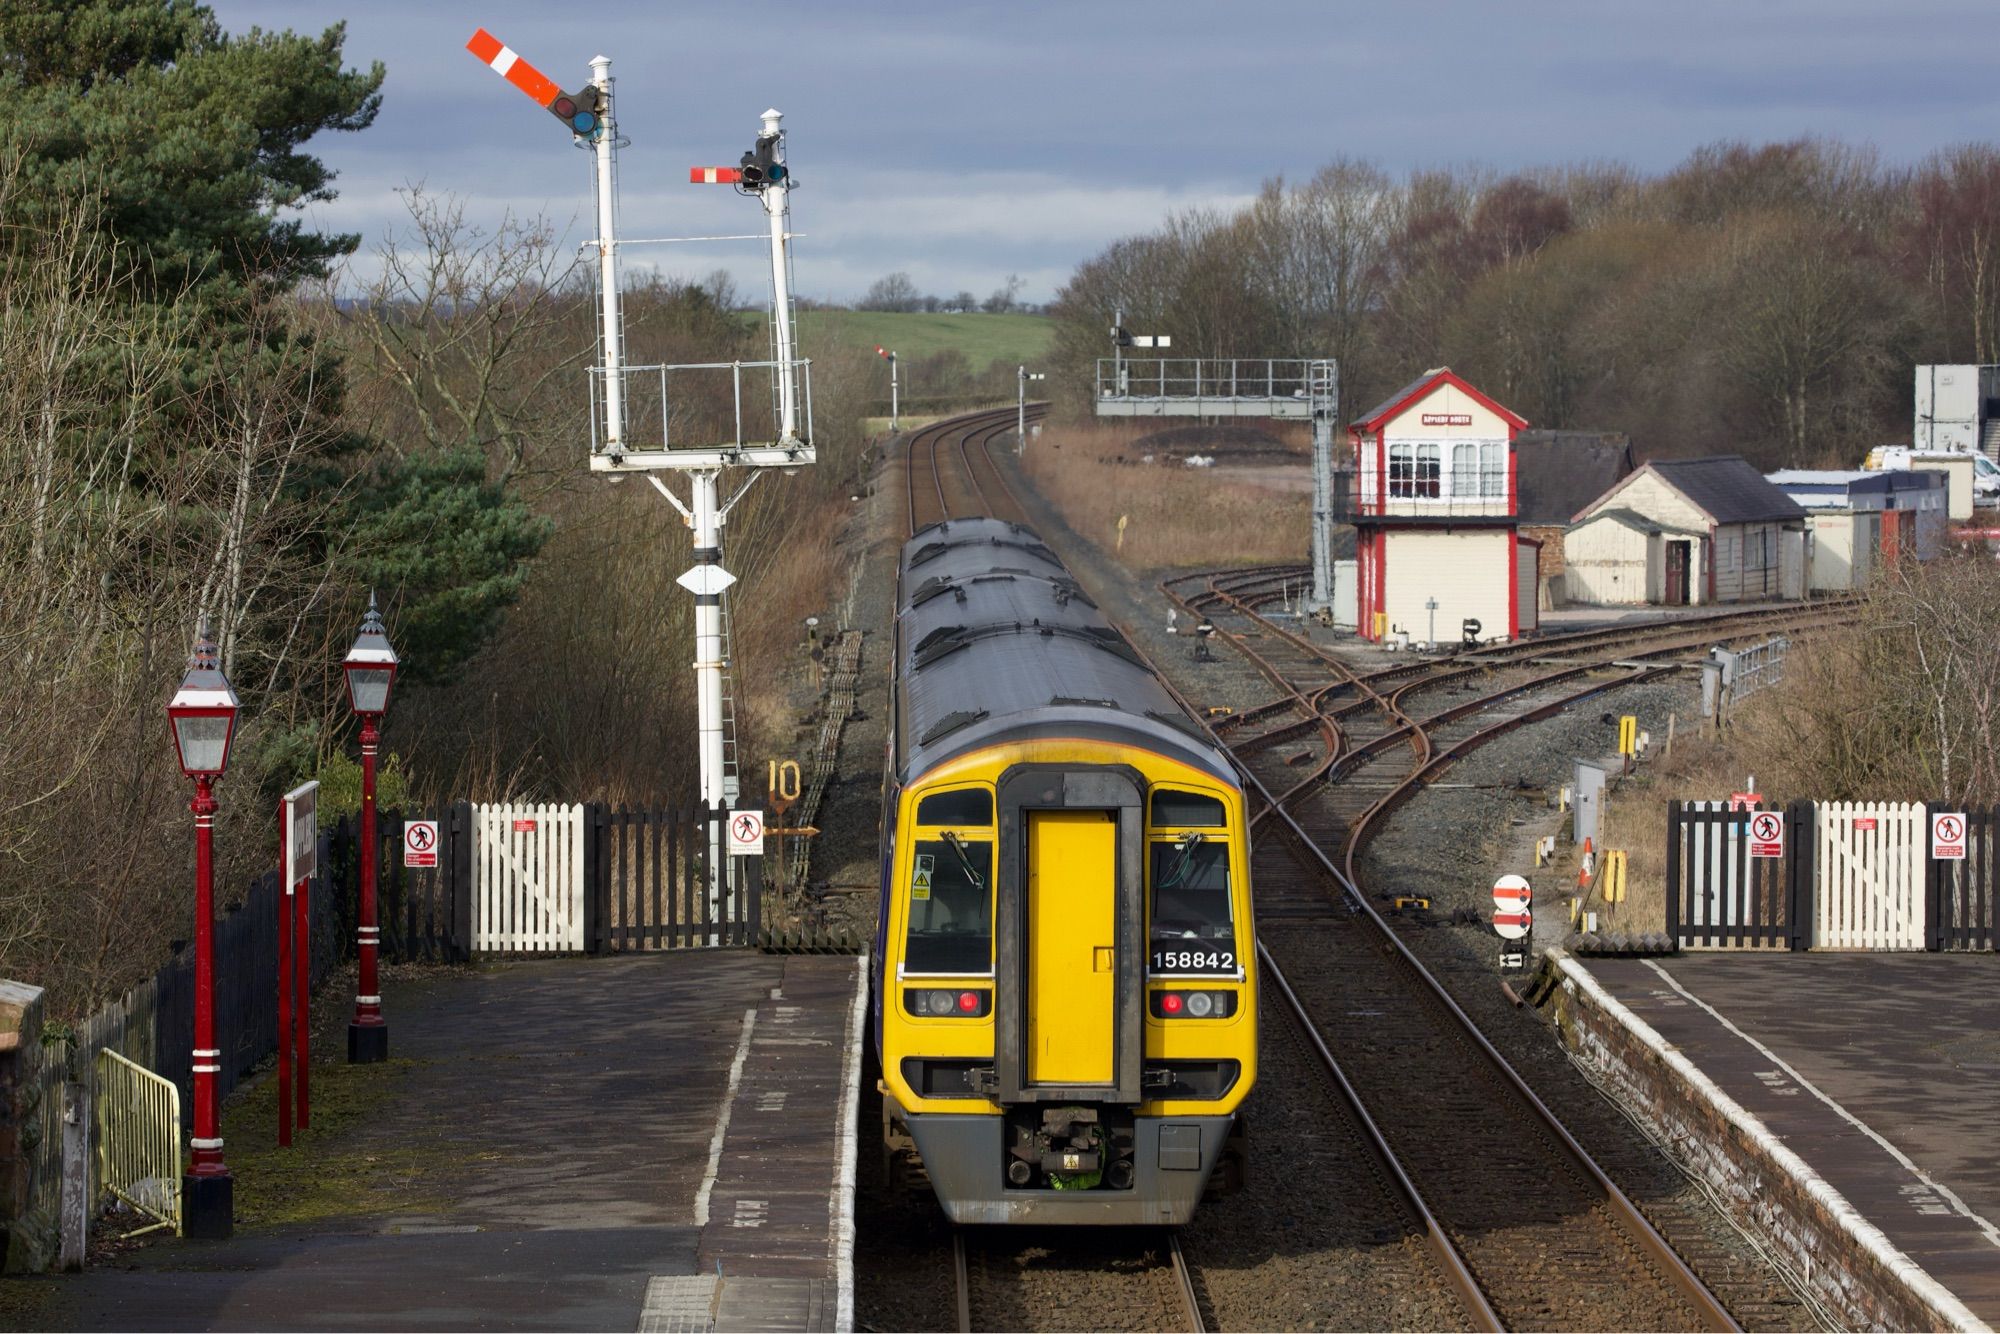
{"x": 579, "y": 111}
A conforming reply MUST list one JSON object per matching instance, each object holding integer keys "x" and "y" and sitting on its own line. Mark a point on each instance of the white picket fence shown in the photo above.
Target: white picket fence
{"x": 527, "y": 879}
{"x": 1868, "y": 891}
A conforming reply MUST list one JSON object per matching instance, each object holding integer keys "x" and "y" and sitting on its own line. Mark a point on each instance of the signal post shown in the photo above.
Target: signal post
{"x": 617, "y": 386}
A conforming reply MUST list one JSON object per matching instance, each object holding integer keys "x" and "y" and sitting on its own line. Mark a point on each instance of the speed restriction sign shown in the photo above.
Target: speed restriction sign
{"x": 1767, "y": 834}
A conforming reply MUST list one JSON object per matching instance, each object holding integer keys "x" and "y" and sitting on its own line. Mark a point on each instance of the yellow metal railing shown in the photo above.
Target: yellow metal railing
{"x": 139, "y": 1140}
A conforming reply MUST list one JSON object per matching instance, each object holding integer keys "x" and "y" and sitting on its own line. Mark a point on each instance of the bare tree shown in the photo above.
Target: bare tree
{"x": 894, "y": 292}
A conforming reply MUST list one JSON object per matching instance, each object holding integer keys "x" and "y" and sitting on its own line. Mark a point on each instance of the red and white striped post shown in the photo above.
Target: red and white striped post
{"x": 371, "y": 671}
{"x": 203, "y": 712}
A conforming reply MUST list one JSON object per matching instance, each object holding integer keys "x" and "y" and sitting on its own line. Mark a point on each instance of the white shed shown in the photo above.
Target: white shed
{"x": 1619, "y": 556}
{"x": 1725, "y": 535}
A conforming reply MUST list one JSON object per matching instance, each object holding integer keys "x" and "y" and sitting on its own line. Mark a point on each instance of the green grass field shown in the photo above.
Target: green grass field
{"x": 1008, "y": 339}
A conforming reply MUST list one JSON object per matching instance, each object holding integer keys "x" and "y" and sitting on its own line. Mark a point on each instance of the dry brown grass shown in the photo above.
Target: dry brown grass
{"x": 1635, "y": 819}
{"x": 1174, "y": 515}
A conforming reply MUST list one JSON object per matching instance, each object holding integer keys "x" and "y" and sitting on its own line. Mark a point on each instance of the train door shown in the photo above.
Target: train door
{"x": 1072, "y": 933}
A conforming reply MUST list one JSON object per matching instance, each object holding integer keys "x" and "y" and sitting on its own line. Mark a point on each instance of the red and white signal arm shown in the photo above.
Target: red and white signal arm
{"x": 420, "y": 844}
{"x": 1948, "y": 836}
{"x": 1513, "y": 914}
{"x": 746, "y": 833}
{"x": 1767, "y": 834}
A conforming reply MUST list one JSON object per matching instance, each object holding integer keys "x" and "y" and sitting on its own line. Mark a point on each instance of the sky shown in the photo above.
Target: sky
{"x": 963, "y": 143}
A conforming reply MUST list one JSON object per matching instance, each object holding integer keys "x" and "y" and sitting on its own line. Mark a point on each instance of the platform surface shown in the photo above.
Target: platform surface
{"x": 613, "y": 1128}
{"x": 1881, "y": 1071}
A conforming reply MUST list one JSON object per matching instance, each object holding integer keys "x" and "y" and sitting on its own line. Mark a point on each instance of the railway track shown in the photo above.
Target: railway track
{"x": 949, "y": 471}
{"x": 1532, "y": 1234}
{"x": 1070, "y": 1278}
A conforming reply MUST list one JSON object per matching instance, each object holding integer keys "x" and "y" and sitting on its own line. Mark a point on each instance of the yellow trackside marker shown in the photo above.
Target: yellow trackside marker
{"x": 1628, "y": 735}
{"x": 1612, "y": 882}
{"x": 1121, "y": 533}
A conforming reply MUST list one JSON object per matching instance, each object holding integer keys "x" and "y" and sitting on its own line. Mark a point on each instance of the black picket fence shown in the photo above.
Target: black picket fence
{"x": 643, "y": 870}
{"x": 1720, "y": 896}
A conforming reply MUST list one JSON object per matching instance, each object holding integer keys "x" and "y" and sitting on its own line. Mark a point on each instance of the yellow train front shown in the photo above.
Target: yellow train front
{"x": 1065, "y": 999}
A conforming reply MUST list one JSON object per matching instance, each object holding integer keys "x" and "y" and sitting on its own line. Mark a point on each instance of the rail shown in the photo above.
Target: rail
{"x": 139, "y": 1140}
{"x": 692, "y": 397}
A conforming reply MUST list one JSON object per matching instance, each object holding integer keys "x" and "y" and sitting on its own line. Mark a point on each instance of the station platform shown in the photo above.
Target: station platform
{"x": 1841, "y": 1106}
{"x": 657, "y": 1141}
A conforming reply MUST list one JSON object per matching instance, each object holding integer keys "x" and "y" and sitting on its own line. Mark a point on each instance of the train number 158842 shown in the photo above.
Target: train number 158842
{"x": 1194, "y": 961}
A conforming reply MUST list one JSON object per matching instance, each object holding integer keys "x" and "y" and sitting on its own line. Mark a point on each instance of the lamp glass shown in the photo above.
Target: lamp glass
{"x": 368, "y": 688}
{"x": 204, "y": 742}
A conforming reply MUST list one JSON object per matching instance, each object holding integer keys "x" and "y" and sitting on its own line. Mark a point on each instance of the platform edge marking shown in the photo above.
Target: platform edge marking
{"x": 1945, "y": 1302}
{"x": 850, "y": 1119}
{"x": 722, "y": 1118}
{"x": 1908, "y": 1164}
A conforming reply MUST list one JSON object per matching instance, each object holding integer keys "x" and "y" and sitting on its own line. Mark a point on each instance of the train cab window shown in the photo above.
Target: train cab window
{"x": 1192, "y": 928}
{"x": 1180, "y": 810}
{"x": 966, "y": 805}
{"x": 951, "y": 904}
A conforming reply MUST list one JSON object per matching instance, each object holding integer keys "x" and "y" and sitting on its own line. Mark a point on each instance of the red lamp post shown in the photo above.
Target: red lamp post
{"x": 371, "y": 671}
{"x": 203, "y": 712}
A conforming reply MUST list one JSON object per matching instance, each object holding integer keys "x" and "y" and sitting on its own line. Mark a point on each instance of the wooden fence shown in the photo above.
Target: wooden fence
{"x": 543, "y": 878}
{"x": 648, "y": 887}
{"x": 1854, "y": 876}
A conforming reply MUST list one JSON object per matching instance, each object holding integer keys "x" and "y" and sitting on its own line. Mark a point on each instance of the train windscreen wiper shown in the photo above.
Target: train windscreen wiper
{"x": 957, "y": 846}
{"x": 1186, "y": 847}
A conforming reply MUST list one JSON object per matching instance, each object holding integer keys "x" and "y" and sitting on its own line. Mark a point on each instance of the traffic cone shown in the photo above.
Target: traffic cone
{"x": 1583, "y": 873}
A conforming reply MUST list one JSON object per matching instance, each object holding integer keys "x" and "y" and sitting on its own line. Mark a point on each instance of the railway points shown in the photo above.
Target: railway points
{"x": 1406, "y": 724}
{"x": 1839, "y": 1104}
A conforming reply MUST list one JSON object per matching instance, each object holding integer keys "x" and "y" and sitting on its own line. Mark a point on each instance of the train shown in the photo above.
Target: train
{"x": 1064, "y": 998}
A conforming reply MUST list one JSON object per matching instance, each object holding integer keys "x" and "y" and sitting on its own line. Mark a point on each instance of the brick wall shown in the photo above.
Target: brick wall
{"x": 1764, "y": 1198}
{"x": 1550, "y": 563}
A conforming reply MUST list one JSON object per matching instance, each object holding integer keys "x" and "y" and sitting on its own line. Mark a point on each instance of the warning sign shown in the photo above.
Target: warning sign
{"x": 1513, "y": 915}
{"x": 746, "y": 834}
{"x": 1948, "y": 836}
{"x": 1767, "y": 834}
{"x": 420, "y": 844}
{"x": 920, "y": 884}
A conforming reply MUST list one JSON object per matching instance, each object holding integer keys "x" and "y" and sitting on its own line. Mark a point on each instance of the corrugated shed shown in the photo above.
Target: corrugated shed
{"x": 1558, "y": 473}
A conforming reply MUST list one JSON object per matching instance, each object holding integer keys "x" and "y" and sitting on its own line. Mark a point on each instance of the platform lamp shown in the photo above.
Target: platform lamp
{"x": 371, "y": 670}
{"x": 203, "y": 713}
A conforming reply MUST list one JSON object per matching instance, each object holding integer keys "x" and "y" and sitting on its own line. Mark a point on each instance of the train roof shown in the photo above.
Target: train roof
{"x": 995, "y": 642}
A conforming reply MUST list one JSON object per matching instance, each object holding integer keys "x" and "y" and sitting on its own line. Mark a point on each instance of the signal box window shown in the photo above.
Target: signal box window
{"x": 1191, "y": 930}
{"x": 951, "y": 905}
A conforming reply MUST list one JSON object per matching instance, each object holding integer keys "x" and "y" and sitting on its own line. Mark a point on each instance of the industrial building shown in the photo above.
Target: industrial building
{"x": 1958, "y": 409}
{"x": 1686, "y": 532}
{"x": 1857, "y": 521}
{"x": 1431, "y": 495}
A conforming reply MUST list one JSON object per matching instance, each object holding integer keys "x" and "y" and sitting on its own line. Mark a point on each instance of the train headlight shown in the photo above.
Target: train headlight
{"x": 938, "y": 1002}
{"x": 1200, "y": 1005}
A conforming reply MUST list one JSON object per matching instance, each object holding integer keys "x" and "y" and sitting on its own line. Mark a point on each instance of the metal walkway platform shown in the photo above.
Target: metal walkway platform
{"x": 1842, "y": 1104}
